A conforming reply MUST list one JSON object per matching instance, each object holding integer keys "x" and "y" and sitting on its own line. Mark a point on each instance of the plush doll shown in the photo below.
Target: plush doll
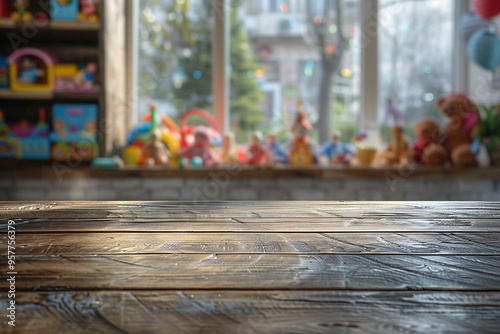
{"x": 398, "y": 151}
{"x": 201, "y": 147}
{"x": 427, "y": 131}
{"x": 256, "y": 153}
{"x": 457, "y": 136}
{"x": 335, "y": 151}
{"x": 276, "y": 154}
{"x": 156, "y": 152}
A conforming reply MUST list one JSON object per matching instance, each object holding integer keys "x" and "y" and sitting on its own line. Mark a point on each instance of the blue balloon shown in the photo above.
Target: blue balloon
{"x": 484, "y": 49}
{"x": 470, "y": 24}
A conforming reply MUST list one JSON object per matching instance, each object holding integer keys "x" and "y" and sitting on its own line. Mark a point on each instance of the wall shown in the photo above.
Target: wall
{"x": 221, "y": 187}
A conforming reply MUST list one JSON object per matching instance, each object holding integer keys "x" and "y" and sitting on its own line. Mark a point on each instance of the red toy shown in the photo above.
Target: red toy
{"x": 256, "y": 154}
{"x": 487, "y": 9}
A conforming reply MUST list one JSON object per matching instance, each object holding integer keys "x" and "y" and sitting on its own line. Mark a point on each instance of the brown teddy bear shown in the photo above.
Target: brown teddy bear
{"x": 454, "y": 141}
{"x": 427, "y": 130}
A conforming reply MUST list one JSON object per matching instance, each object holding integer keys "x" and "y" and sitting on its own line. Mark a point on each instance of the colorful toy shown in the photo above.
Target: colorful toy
{"x": 256, "y": 153}
{"x": 187, "y": 131}
{"x": 88, "y": 11}
{"x": 427, "y": 131}
{"x": 483, "y": 49}
{"x": 31, "y": 69}
{"x": 301, "y": 149}
{"x": 25, "y": 141}
{"x": 156, "y": 153}
{"x": 488, "y": 133}
{"x": 456, "y": 138}
{"x": 398, "y": 151}
{"x": 68, "y": 77}
{"x": 276, "y": 154}
{"x": 64, "y": 10}
{"x": 24, "y": 9}
{"x": 166, "y": 130}
{"x": 74, "y": 132}
{"x": 4, "y": 73}
{"x": 487, "y": 9}
{"x": 335, "y": 151}
{"x": 203, "y": 136}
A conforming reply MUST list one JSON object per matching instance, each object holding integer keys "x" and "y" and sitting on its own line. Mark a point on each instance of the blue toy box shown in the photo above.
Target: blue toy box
{"x": 64, "y": 10}
{"x": 74, "y": 122}
{"x": 4, "y": 73}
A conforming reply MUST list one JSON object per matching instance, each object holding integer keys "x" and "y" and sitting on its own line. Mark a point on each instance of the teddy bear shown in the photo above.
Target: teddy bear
{"x": 398, "y": 151}
{"x": 453, "y": 143}
{"x": 427, "y": 130}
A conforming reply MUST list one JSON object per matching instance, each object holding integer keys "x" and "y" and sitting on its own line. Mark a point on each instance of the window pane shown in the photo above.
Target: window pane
{"x": 288, "y": 43}
{"x": 415, "y": 60}
{"x": 175, "y": 55}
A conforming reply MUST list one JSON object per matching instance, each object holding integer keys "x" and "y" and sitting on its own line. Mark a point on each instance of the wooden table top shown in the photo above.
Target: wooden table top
{"x": 261, "y": 267}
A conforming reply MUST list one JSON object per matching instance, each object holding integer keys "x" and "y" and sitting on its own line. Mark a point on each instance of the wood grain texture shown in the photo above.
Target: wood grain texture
{"x": 268, "y": 267}
{"x": 248, "y": 312}
{"x": 105, "y": 243}
{"x": 259, "y": 272}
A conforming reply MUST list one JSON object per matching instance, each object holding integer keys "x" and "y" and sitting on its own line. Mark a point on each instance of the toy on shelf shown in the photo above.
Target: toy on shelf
{"x": 88, "y": 11}
{"x": 200, "y": 151}
{"x": 140, "y": 137}
{"x": 335, "y": 151}
{"x": 276, "y": 154}
{"x": 228, "y": 151}
{"x": 188, "y": 131}
{"x": 68, "y": 77}
{"x": 4, "y": 73}
{"x": 27, "y": 10}
{"x": 398, "y": 151}
{"x": 457, "y": 136}
{"x": 74, "y": 132}
{"x": 256, "y": 153}
{"x": 64, "y": 10}
{"x": 427, "y": 131}
{"x": 301, "y": 149}
{"x": 488, "y": 133}
{"x": 25, "y": 141}
{"x": 156, "y": 153}
{"x": 31, "y": 69}
{"x": 365, "y": 156}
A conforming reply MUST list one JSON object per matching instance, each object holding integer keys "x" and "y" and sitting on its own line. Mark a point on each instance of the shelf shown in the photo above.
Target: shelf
{"x": 52, "y": 25}
{"x": 20, "y": 95}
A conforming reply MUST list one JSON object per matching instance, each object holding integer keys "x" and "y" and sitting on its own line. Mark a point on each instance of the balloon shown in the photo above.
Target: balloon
{"x": 487, "y": 9}
{"x": 470, "y": 24}
{"x": 484, "y": 49}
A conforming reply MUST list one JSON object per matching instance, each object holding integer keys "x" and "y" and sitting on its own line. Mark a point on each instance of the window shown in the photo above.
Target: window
{"x": 285, "y": 51}
{"x": 175, "y": 55}
{"x": 415, "y": 60}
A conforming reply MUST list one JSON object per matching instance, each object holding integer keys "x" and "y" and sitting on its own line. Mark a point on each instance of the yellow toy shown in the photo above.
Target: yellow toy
{"x": 31, "y": 69}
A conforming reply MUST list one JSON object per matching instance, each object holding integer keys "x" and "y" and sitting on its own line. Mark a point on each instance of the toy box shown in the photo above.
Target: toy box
{"x": 74, "y": 133}
{"x": 4, "y": 73}
{"x": 25, "y": 141}
{"x": 64, "y": 10}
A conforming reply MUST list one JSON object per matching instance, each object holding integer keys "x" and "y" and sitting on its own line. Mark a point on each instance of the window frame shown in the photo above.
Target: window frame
{"x": 369, "y": 63}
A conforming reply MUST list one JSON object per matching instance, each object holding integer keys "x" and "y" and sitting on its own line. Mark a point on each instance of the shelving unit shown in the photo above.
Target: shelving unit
{"x": 71, "y": 42}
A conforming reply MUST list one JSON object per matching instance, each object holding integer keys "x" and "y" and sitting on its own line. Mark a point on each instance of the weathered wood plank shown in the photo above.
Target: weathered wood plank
{"x": 252, "y": 225}
{"x": 255, "y": 312}
{"x": 261, "y": 271}
{"x": 192, "y": 210}
{"x": 105, "y": 243}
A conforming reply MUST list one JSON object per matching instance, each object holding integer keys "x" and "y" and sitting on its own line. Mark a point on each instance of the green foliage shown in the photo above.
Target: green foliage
{"x": 489, "y": 126}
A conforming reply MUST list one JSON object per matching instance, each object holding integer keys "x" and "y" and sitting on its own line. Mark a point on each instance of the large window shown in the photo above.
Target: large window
{"x": 415, "y": 59}
{"x": 286, "y": 51}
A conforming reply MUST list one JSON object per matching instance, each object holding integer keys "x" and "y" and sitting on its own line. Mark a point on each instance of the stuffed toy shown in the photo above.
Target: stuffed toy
{"x": 203, "y": 136}
{"x": 457, "y": 136}
{"x": 427, "y": 131}
{"x": 156, "y": 152}
{"x": 256, "y": 153}
{"x": 398, "y": 151}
